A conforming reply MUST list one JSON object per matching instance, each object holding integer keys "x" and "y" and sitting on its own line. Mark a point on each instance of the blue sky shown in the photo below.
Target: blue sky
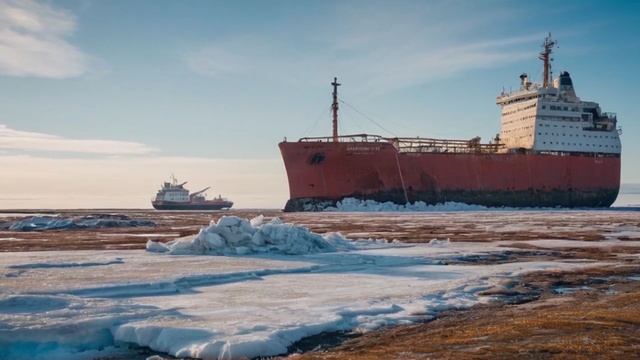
{"x": 124, "y": 85}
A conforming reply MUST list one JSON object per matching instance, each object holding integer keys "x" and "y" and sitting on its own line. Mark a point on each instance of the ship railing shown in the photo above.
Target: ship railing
{"x": 346, "y": 138}
{"x": 426, "y": 145}
{"x": 417, "y": 144}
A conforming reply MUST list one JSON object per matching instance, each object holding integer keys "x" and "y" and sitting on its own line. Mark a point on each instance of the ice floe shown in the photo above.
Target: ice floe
{"x": 62, "y": 327}
{"x": 46, "y": 222}
{"x": 232, "y": 235}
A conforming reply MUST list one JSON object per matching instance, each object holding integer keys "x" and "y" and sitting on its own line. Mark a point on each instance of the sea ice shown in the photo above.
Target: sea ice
{"x": 353, "y": 204}
{"x": 244, "y": 318}
{"x": 358, "y": 205}
{"x": 46, "y": 222}
{"x": 87, "y": 304}
{"x": 232, "y": 235}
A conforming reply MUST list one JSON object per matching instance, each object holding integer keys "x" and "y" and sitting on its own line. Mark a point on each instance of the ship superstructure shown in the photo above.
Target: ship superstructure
{"x": 550, "y": 117}
{"x": 174, "y": 196}
{"x": 553, "y": 149}
{"x": 172, "y": 191}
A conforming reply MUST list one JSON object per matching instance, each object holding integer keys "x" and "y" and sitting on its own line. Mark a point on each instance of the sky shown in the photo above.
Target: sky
{"x": 100, "y": 101}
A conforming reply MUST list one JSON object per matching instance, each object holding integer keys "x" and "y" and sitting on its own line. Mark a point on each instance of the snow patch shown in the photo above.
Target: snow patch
{"x": 439, "y": 243}
{"x": 358, "y": 205}
{"x": 233, "y": 235}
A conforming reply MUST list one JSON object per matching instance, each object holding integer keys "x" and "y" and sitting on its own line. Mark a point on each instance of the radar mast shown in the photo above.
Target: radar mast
{"x": 334, "y": 108}
{"x": 545, "y": 56}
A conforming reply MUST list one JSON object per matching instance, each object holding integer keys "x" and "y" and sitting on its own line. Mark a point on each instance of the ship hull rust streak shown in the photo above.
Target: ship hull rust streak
{"x": 322, "y": 173}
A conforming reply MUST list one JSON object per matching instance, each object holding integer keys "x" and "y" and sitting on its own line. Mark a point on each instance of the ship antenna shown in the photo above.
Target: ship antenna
{"x": 334, "y": 108}
{"x": 545, "y": 56}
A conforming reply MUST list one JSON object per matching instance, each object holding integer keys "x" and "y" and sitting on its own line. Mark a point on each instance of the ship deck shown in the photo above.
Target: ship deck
{"x": 417, "y": 144}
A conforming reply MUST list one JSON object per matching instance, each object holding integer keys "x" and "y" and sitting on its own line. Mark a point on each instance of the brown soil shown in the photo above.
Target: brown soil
{"x": 601, "y": 321}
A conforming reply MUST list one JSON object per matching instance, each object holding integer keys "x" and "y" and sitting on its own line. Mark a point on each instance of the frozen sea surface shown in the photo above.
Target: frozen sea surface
{"x": 88, "y": 304}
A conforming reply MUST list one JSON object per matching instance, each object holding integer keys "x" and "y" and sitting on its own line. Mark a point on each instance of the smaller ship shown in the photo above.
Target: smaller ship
{"x": 173, "y": 196}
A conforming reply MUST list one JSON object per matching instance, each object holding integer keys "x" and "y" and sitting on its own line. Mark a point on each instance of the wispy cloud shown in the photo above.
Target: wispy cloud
{"x": 216, "y": 61}
{"x": 33, "y": 41}
{"x": 389, "y": 46}
{"x": 12, "y": 139}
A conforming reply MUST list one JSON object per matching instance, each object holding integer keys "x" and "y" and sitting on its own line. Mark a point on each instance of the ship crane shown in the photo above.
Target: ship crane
{"x": 199, "y": 192}
{"x": 174, "y": 182}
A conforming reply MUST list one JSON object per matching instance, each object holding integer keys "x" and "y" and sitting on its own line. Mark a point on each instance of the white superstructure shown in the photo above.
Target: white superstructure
{"x": 549, "y": 117}
{"x": 172, "y": 191}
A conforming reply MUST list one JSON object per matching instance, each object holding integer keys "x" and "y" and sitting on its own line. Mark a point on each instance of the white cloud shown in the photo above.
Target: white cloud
{"x": 379, "y": 47}
{"x": 212, "y": 61}
{"x": 11, "y": 139}
{"x": 33, "y": 41}
{"x": 423, "y": 65}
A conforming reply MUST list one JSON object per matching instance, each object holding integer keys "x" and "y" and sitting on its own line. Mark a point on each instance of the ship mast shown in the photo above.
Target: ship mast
{"x": 334, "y": 108}
{"x": 545, "y": 56}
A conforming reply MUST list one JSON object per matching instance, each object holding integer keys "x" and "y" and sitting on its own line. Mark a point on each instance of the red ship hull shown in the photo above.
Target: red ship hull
{"x": 322, "y": 173}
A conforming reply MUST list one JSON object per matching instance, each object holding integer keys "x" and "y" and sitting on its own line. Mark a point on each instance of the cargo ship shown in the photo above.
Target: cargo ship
{"x": 173, "y": 196}
{"x": 553, "y": 150}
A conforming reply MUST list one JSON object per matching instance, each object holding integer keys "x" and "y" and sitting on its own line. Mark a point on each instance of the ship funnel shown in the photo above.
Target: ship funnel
{"x": 565, "y": 85}
{"x": 524, "y": 81}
